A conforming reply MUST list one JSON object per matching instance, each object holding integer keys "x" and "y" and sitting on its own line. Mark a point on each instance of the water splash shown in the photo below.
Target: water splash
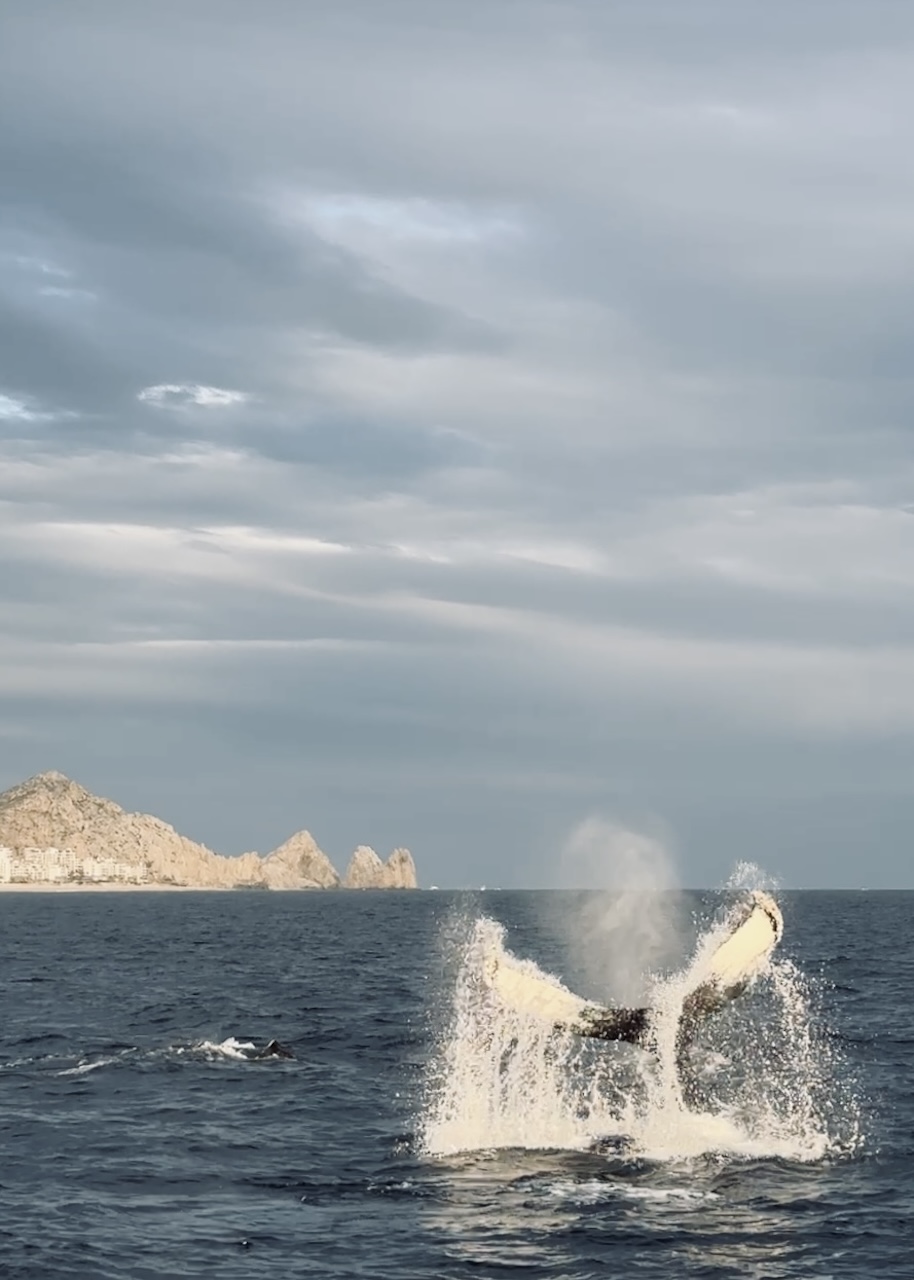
{"x": 763, "y": 1081}
{"x": 237, "y": 1050}
{"x": 503, "y": 1078}
{"x": 748, "y": 876}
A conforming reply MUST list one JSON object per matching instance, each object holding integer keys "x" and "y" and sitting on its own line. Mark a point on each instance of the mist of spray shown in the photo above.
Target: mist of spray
{"x": 630, "y": 926}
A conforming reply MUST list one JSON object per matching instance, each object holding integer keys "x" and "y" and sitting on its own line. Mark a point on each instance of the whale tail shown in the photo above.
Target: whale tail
{"x": 755, "y": 931}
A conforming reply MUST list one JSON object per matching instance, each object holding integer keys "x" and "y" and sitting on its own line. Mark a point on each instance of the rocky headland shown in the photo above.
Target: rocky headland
{"x": 53, "y": 831}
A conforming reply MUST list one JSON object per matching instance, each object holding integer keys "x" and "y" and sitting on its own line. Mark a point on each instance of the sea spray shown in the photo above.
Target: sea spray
{"x": 746, "y": 876}
{"x": 503, "y": 1078}
{"x": 628, "y": 925}
{"x": 763, "y": 1081}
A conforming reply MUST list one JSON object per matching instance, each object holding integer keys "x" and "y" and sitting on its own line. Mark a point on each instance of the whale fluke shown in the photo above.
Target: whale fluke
{"x": 725, "y": 973}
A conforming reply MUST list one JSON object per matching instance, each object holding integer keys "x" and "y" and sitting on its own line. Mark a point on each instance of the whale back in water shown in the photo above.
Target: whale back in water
{"x": 273, "y": 1050}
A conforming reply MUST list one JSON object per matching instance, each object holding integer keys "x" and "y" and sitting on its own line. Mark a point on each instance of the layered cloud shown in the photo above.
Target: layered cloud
{"x": 437, "y": 425}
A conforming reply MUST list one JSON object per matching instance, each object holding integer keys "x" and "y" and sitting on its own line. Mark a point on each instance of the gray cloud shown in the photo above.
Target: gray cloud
{"x": 439, "y": 424}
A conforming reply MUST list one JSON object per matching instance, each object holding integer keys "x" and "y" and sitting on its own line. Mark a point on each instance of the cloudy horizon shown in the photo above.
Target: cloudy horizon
{"x": 448, "y": 425}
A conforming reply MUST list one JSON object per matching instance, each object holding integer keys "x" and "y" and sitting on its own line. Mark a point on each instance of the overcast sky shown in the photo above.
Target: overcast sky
{"x": 446, "y": 424}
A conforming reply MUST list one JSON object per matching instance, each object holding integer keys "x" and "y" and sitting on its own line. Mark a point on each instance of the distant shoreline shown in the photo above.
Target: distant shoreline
{"x": 113, "y": 886}
{"x": 56, "y": 836}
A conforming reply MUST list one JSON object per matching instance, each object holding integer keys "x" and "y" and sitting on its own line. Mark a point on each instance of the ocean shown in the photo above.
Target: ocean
{"x": 418, "y": 1131}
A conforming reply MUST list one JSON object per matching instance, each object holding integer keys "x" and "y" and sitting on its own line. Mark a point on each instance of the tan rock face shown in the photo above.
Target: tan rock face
{"x": 367, "y": 871}
{"x": 52, "y": 811}
{"x": 299, "y": 864}
{"x": 401, "y": 870}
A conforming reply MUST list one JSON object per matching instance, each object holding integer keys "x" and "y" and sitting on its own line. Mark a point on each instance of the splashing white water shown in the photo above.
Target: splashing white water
{"x": 763, "y": 1083}
{"x": 748, "y": 875}
{"x": 84, "y": 1067}
{"x": 240, "y": 1050}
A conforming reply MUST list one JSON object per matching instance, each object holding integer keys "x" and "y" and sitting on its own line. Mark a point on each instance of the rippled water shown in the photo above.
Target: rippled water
{"x": 139, "y": 1139}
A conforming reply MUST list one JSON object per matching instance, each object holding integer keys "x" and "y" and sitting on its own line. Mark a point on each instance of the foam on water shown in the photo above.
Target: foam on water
{"x": 766, "y": 1082}
{"x": 238, "y": 1050}
{"x": 85, "y": 1067}
{"x": 199, "y": 1051}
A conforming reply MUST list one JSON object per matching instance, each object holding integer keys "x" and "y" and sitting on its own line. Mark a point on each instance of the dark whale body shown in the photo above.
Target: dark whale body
{"x": 272, "y": 1050}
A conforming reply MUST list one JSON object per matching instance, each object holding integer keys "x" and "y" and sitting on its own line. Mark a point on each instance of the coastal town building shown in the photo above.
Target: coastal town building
{"x": 30, "y": 865}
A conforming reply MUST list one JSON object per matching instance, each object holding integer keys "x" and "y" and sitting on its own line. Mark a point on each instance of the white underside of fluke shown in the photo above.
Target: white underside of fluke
{"x": 739, "y": 958}
{"x": 742, "y": 955}
{"x": 521, "y": 986}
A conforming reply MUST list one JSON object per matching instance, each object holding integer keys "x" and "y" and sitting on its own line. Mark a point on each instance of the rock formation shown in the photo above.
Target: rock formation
{"x": 299, "y": 864}
{"x": 367, "y": 871}
{"x": 401, "y": 870}
{"x": 50, "y": 812}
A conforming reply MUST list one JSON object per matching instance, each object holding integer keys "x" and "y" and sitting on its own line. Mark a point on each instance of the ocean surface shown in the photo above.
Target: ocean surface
{"x": 420, "y": 1131}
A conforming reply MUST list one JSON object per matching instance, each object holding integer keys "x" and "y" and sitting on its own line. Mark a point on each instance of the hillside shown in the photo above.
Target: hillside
{"x": 51, "y": 812}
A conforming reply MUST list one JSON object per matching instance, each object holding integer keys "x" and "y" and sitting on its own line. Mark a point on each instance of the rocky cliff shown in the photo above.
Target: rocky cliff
{"x": 367, "y": 871}
{"x": 51, "y": 811}
{"x": 401, "y": 870}
{"x": 299, "y": 864}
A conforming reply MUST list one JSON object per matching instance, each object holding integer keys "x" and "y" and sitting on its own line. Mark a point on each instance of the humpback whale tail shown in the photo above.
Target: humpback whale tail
{"x": 754, "y": 931}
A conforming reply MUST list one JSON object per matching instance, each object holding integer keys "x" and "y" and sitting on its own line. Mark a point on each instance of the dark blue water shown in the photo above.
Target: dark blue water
{"x": 131, "y": 1149}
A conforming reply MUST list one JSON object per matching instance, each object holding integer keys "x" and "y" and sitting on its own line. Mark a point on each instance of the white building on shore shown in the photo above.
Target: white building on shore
{"x": 59, "y": 866}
